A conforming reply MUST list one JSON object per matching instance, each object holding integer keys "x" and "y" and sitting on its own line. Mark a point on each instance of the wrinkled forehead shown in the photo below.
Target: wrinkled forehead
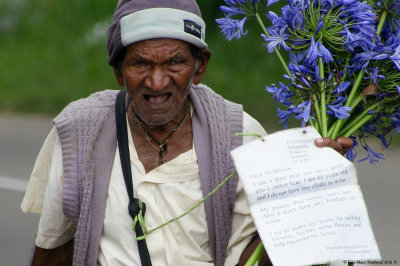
{"x": 161, "y": 47}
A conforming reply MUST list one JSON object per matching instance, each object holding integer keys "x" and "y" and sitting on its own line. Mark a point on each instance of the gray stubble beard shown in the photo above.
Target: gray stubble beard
{"x": 153, "y": 124}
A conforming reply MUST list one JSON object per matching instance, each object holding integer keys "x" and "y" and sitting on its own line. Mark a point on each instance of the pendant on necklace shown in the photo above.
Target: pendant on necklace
{"x": 163, "y": 147}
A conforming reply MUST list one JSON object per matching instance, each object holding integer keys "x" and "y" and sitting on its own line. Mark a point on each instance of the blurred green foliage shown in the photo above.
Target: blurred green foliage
{"x": 54, "y": 52}
{"x": 51, "y": 53}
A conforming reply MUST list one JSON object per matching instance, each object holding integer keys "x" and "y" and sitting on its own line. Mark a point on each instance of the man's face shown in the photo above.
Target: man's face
{"x": 158, "y": 74}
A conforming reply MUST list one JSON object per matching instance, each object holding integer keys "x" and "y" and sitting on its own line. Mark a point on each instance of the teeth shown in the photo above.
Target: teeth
{"x": 157, "y": 99}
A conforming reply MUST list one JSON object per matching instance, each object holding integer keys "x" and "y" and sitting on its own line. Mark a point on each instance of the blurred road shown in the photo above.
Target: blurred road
{"x": 20, "y": 142}
{"x": 22, "y": 136}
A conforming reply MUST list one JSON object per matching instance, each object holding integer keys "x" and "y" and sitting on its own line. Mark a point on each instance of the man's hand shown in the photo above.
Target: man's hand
{"x": 341, "y": 144}
{"x": 61, "y": 256}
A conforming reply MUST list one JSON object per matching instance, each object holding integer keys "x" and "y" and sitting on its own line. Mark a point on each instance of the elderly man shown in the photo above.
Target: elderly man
{"x": 174, "y": 138}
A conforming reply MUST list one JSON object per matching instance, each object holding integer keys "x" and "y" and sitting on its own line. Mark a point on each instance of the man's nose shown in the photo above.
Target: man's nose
{"x": 157, "y": 79}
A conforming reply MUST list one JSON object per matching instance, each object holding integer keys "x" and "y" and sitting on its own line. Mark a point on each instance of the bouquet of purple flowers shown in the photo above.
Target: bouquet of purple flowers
{"x": 343, "y": 72}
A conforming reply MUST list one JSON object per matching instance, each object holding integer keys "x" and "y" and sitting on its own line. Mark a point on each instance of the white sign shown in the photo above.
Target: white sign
{"x": 305, "y": 201}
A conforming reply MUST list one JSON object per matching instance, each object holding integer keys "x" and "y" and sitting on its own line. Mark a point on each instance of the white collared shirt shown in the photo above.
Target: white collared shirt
{"x": 168, "y": 191}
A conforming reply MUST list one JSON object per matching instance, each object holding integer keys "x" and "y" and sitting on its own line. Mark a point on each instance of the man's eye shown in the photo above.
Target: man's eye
{"x": 177, "y": 61}
{"x": 140, "y": 62}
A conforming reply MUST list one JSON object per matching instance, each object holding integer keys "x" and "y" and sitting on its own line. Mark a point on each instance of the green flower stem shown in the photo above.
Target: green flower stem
{"x": 317, "y": 111}
{"x": 256, "y": 255}
{"x": 257, "y": 15}
{"x": 352, "y": 105}
{"x": 339, "y": 123}
{"x": 330, "y": 130}
{"x": 328, "y": 92}
{"x": 350, "y": 125}
{"x": 364, "y": 119}
{"x": 346, "y": 70}
{"x": 355, "y": 87}
{"x": 324, "y": 124}
{"x": 381, "y": 22}
{"x": 356, "y": 101}
{"x": 250, "y": 134}
{"x": 191, "y": 209}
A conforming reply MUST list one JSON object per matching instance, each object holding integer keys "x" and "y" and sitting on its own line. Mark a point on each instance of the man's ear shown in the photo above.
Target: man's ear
{"x": 118, "y": 76}
{"x": 202, "y": 63}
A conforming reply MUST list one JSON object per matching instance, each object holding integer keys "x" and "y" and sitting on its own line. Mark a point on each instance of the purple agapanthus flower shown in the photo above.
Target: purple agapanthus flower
{"x": 270, "y": 2}
{"x": 297, "y": 65}
{"x": 284, "y": 116}
{"x": 231, "y": 10}
{"x": 352, "y": 153}
{"x": 395, "y": 121}
{"x": 345, "y": 2}
{"x": 281, "y": 93}
{"x": 374, "y": 76}
{"x": 316, "y": 50}
{"x": 355, "y": 40}
{"x": 235, "y": 7}
{"x": 324, "y": 53}
{"x": 232, "y": 28}
{"x": 330, "y": 75}
{"x": 343, "y": 35}
{"x": 293, "y": 16}
{"x": 385, "y": 143}
{"x": 342, "y": 87}
{"x": 304, "y": 80}
{"x": 395, "y": 58}
{"x": 379, "y": 54}
{"x": 372, "y": 156}
{"x": 378, "y": 128}
{"x": 362, "y": 60}
{"x": 302, "y": 111}
{"x": 360, "y": 13}
{"x": 276, "y": 20}
{"x": 312, "y": 53}
{"x": 393, "y": 41}
{"x": 337, "y": 109}
{"x": 319, "y": 26}
{"x": 277, "y": 39}
{"x": 358, "y": 20}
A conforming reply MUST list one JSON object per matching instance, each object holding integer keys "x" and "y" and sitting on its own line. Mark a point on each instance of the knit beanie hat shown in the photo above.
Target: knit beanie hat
{"x": 138, "y": 20}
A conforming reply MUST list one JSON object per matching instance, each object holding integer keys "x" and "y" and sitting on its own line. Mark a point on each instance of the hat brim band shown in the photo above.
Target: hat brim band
{"x": 163, "y": 23}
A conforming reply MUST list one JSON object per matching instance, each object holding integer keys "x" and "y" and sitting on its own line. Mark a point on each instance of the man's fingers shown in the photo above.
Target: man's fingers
{"x": 341, "y": 144}
{"x": 328, "y": 142}
{"x": 346, "y": 143}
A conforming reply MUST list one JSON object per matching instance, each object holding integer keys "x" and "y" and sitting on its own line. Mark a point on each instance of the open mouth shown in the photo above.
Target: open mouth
{"x": 157, "y": 99}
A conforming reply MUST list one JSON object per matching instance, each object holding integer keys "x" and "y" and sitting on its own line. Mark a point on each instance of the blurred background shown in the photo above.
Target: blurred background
{"x": 52, "y": 53}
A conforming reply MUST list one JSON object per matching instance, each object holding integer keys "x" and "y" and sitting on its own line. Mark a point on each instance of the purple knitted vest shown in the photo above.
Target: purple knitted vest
{"x": 88, "y": 138}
